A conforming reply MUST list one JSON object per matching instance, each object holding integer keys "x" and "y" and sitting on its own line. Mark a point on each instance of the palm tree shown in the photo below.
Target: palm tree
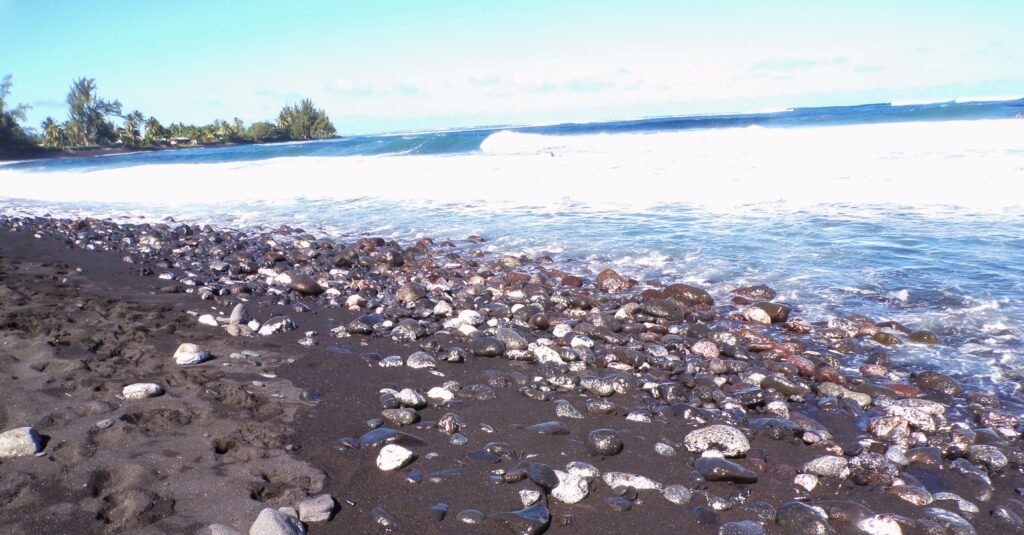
{"x": 155, "y": 131}
{"x": 130, "y": 129}
{"x": 53, "y": 136}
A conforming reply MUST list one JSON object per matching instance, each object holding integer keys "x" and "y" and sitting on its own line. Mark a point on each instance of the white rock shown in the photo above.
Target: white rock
{"x": 623, "y": 479}
{"x": 467, "y": 329}
{"x": 208, "y": 319}
{"x": 571, "y": 488}
{"x": 421, "y": 359}
{"x": 317, "y": 509}
{"x": 355, "y": 302}
{"x": 442, "y": 308}
{"x": 440, "y": 394}
{"x": 561, "y": 330}
{"x": 757, "y": 315}
{"x": 254, "y": 325}
{"x": 276, "y": 325}
{"x": 582, "y": 469}
{"x": 393, "y": 457}
{"x": 807, "y": 481}
{"x": 393, "y": 361}
{"x": 470, "y": 317}
{"x": 545, "y": 354}
{"x": 724, "y": 438}
{"x": 581, "y": 341}
{"x": 141, "y": 391}
{"x": 880, "y": 525}
{"x": 19, "y": 442}
{"x": 190, "y": 354}
{"x": 529, "y": 497}
{"x": 274, "y": 522}
{"x": 411, "y": 398}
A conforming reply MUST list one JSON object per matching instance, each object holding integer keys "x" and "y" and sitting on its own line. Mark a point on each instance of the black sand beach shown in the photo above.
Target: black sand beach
{"x": 731, "y": 417}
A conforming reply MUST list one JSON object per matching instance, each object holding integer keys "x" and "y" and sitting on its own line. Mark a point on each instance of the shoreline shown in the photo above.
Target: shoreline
{"x": 37, "y": 152}
{"x": 524, "y": 344}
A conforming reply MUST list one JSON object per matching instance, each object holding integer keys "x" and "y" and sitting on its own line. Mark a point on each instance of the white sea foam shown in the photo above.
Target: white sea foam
{"x": 973, "y": 165}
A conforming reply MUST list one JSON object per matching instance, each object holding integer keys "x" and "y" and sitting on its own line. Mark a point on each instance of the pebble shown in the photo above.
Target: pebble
{"x": 384, "y": 518}
{"x": 420, "y": 360}
{"x": 717, "y": 469}
{"x": 677, "y": 494}
{"x": 187, "y": 354}
{"x": 827, "y": 466}
{"x": 624, "y": 479}
{"x": 549, "y": 428}
{"x": 20, "y": 442}
{"x": 276, "y": 325}
{"x": 471, "y": 516}
{"x": 664, "y": 450}
{"x": 440, "y": 394}
{"x": 564, "y": 409}
{"x": 529, "y": 497}
{"x": 141, "y": 391}
{"x": 571, "y": 488}
{"x": 317, "y": 509}
{"x": 239, "y": 315}
{"x": 724, "y": 438}
{"x": 744, "y": 527}
{"x": 411, "y": 398}
{"x": 807, "y": 482}
{"x": 394, "y": 457}
{"x": 796, "y": 518}
{"x": 392, "y": 361}
{"x": 529, "y": 521}
{"x": 604, "y": 442}
{"x": 273, "y": 522}
{"x": 208, "y": 319}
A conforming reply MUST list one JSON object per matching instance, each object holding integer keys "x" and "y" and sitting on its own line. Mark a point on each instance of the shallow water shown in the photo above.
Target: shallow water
{"x": 918, "y": 222}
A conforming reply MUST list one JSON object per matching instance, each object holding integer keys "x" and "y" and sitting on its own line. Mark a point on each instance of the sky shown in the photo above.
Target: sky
{"x": 388, "y": 66}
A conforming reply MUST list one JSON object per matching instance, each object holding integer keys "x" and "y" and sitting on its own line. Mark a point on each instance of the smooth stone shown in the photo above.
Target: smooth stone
{"x": 604, "y": 442}
{"x": 239, "y": 315}
{"x": 208, "y": 320}
{"x": 420, "y": 360}
{"x": 317, "y": 509}
{"x": 677, "y": 494}
{"x": 486, "y": 346}
{"x": 542, "y": 475}
{"x": 439, "y": 510}
{"x": 827, "y": 466}
{"x": 530, "y": 521}
{"x": 796, "y": 518}
{"x": 954, "y": 523}
{"x": 564, "y": 409}
{"x": 274, "y": 522}
{"x": 664, "y": 450}
{"x": 571, "y": 488}
{"x": 624, "y": 479}
{"x": 304, "y": 284}
{"x": 384, "y": 518}
{"x": 401, "y": 417}
{"x": 471, "y": 516}
{"x": 384, "y": 435}
{"x": 716, "y": 469}
{"x": 778, "y": 313}
{"x": 549, "y": 428}
{"x": 744, "y": 527}
{"x": 618, "y": 504}
{"x": 141, "y": 391}
{"x": 187, "y": 354}
{"x": 394, "y": 457}
{"x": 529, "y": 496}
{"x": 724, "y": 438}
{"x": 276, "y": 325}
{"x": 411, "y": 398}
{"x": 20, "y": 442}
{"x": 924, "y": 337}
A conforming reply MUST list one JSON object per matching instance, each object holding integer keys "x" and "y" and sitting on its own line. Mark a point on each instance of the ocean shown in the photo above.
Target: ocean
{"x": 908, "y": 212}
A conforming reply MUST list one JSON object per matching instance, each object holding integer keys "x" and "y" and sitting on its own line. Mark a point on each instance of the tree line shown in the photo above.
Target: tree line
{"x": 93, "y": 121}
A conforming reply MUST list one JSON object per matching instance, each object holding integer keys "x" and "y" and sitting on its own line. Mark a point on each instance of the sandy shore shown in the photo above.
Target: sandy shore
{"x": 639, "y": 393}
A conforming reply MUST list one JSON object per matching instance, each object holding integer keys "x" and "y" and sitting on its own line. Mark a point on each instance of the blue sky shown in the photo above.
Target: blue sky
{"x": 412, "y": 65}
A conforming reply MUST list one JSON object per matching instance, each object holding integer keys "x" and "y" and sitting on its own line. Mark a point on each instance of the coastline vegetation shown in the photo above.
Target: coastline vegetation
{"x": 94, "y": 122}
